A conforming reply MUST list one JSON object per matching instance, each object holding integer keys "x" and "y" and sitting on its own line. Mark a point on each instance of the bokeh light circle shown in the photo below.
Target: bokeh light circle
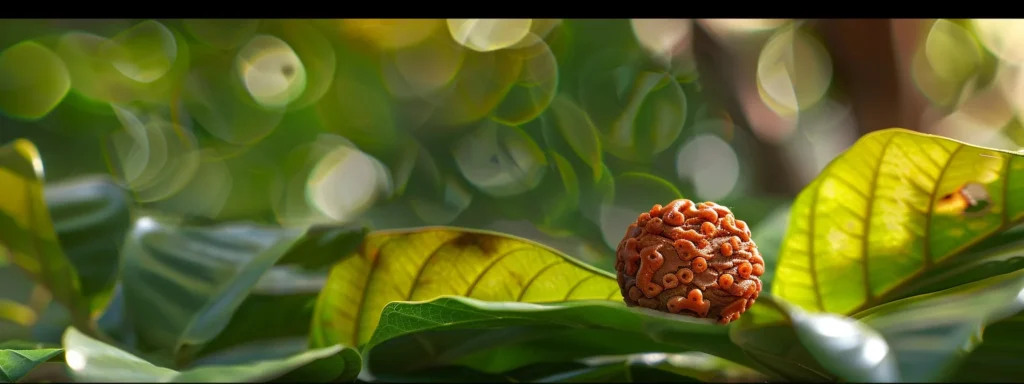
{"x": 271, "y": 71}
{"x": 346, "y": 182}
{"x": 794, "y": 71}
{"x": 485, "y": 35}
{"x": 153, "y": 157}
{"x": 1002, "y": 37}
{"x": 500, "y": 160}
{"x": 710, "y": 164}
{"x": 663, "y": 38}
{"x": 422, "y": 69}
{"x": 144, "y": 52}
{"x": 534, "y": 88}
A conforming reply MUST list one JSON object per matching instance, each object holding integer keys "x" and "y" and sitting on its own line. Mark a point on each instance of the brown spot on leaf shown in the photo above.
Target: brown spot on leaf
{"x": 487, "y": 244}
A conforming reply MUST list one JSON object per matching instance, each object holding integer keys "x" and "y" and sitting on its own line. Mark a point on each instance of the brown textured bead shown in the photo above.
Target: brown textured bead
{"x": 691, "y": 259}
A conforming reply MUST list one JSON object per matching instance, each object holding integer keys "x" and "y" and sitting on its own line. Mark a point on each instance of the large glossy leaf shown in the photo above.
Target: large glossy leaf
{"x": 90, "y": 360}
{"x": 893, "y": 207}
{"x": 426, "y": 263}
{"x": 996, "y": 359}
{"x": 27, "y": 237}
{"x": 91, "y": 217}
{"x": 15, "y": 364}
{"x": 991, "y": 258}
{"x": 460, "y": 374}
{"x": 800, "y": 346}
{"x": 279, "y": 308}
{"x": 499, "y": 350}
{"x": 613, "y": 322}
{"x": 114, "y": 321}
{"x": 321, "y": 245}
{"x": 927, "y": 338}
{"x": 655, "y": 367}
{"x": 932, "y": 334}
{"x": 182, "y": 284}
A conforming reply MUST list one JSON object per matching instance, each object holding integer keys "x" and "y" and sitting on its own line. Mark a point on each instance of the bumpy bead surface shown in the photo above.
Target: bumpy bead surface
{"x": 691, "y": 259}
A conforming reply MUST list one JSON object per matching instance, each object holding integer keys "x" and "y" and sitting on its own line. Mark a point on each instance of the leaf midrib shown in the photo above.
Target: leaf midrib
{"x": 930, "y": 213}
{"x": 865, "y": 239}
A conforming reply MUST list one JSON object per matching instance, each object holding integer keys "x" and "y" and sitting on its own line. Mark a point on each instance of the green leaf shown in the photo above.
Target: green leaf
{"x": 980, "y": 263}
{"x": 602, "y": 319}
{"x": 802, "y": 346}
{"x": 932, "y": 334}
{"x": 895, "y": 206}
{"x": 656, "y": 367}
{"x": 27, "y": 235}
{"x": 426, "y": 263}
{"x": 15, "y": 364}
{"x": 265, "y": 349}
{"x": 91, "y": 217}
{"x": 289, "y": 295}
{"x": 460, "y": 374}
{"x": 579, "y": 132}
{"x": 23, "y": 344}
{"x": 90, "y": 360}
{"x": 114, "y": 321}
{"x": 996, "y": 360}
{"x": 321, "y": 245}
{"x": 499, "y": 350}
{"x": 182, "y": 284}
{"x": 288, "y": 290}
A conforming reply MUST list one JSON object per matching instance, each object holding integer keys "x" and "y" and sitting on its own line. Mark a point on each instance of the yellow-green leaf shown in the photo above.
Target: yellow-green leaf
{"x": 26, "y": 230}
{"x": 430, "y": 262}
{"x": 893, "y": 207}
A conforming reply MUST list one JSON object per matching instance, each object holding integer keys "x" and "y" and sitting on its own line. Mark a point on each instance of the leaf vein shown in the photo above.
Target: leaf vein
{"x": 426, "y": 262}
{"x": 535, "y": 276}
{"x": 480, "y": 276}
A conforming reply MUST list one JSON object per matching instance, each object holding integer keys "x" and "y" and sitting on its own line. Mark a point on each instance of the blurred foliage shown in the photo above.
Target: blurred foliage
{"x": 253, "y": 200}
{"x": 460, "y": 122}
